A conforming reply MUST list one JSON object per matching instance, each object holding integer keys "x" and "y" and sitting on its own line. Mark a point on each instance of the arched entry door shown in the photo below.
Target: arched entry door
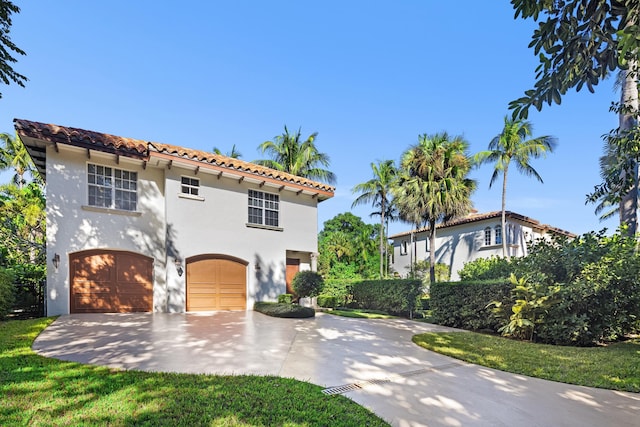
{"x": 216, "y": 282}
{"x": 109, "y": 281}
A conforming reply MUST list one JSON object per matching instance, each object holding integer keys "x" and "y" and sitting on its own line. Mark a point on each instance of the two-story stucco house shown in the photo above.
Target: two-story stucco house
{"x": 469, "y": 238}
{"x": 134, "y": 225}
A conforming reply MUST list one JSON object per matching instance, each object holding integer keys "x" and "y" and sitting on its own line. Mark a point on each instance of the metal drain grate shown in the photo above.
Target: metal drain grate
{"x": 346, "y": 388}
{"x": 352, "y": 387}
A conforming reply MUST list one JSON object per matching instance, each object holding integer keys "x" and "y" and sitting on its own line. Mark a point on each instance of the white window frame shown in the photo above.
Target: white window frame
{"x": 487, "y": 236}
{"x": 498, "y": 234}
{"x": 115, "y": 188}
{"x": 263, "y": 209}
{"x": 404, "y": 247}
{"x": 191, "y": 187}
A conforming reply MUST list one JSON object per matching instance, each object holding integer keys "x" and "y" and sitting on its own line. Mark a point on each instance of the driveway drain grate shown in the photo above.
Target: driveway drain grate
{"x": 341, "y": 389}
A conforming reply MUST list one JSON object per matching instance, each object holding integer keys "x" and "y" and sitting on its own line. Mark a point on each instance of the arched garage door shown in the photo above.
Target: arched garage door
{"x": 216, "y": 282}
{"x": 107, "y": 281}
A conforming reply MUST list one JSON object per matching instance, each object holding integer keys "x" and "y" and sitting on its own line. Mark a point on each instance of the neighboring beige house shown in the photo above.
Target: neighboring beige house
{"x": 141, "y": 226}
{"x": 469, "y": 238}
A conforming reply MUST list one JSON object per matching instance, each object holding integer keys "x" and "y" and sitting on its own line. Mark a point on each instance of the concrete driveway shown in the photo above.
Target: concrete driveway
{"x": 373, "y": 362}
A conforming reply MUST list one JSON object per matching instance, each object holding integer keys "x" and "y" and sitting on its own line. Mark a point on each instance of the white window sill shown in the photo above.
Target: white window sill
{"x": 498, "y": 246}
{"x": 190, "y": 197}
{"x": 110, "y": 211}
{"x": 265, "y": 227}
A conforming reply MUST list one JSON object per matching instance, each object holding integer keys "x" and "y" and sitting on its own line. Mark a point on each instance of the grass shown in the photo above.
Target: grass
{"x": 360, "y": 314}
{"x": 38, "y": 391}
{"x": 616, "y": 366}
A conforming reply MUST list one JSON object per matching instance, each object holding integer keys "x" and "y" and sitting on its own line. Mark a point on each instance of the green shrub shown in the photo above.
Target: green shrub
{"x": 285, "y": 299}
{"x": 465, "y": 304}
{"x": 307, "y": 284}
{"x": 486, "y": 269}
{"x": 276, "y": 309}
{"x": 394, "y": 296}
{"x": 340, "y": 289}
{"x": 328, "y": 301}
{"x": 7, "y": 294}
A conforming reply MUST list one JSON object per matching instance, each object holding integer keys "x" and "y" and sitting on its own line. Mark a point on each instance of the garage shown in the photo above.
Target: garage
{"x": 108, "y": 281}
{"x": 216, "y": 282}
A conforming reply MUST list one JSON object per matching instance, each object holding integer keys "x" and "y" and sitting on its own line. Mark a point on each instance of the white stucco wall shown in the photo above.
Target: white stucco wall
{"x": 72, "y": 226}
{"x": 460, "y": 244}
{"x": 218, "y": 225}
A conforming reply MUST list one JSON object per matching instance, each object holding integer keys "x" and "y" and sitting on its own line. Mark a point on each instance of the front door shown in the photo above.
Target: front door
{"x": 293, "y": 266}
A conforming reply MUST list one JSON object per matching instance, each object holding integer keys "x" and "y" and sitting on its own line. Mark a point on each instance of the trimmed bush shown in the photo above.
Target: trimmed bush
{"x": 7, "y": 294}
{"x": 394, "y": 296}
{"x": 285, "y": 299}
{"x": 307, "y": 284}
{"x": 328, "y": 301}
{"x": 486, "y": 269}
{"x": 465, "y": 304}
{"x": 276, "y": 309}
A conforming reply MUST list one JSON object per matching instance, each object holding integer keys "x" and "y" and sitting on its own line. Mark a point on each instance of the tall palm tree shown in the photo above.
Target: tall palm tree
{"x": 378, "y": 192}
{"x": 234, "y": 153}
{"x": 289, "y": 153}
{"x": 14, "y": 155}
{"x": 390, "y": 214}
{"x": 433, "y": 186}
{"x": 514, "y": 143}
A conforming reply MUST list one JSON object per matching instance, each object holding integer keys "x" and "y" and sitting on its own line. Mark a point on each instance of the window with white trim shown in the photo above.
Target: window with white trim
{"x": 487, "y": 236}
{"x": 190, "y": 186}
{"x": 112, "y": 188}
{"x": 498, "y": 229}
{"x": 264, "y": 208}
{"x": 404, "y": 247}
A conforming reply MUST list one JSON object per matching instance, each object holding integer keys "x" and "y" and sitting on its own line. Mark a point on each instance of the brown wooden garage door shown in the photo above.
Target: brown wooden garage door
{"x": 216, "y": 282}
{"x": 105, "y": 281}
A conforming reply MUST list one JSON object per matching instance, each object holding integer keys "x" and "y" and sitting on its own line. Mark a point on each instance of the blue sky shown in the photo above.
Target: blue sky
{"x": 368, "y": 76}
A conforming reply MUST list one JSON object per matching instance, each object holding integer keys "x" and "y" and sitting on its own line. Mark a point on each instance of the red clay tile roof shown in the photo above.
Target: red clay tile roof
{"x": 236, "y": 164}
{"x": 474, "y": 217}
{"x": 143, "y": 149}
{"x": 80, "y": 137}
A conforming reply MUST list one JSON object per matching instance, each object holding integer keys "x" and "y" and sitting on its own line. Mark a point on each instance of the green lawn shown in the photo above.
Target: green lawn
{"x": 39, "y": 391}
{"x": 615, "y": 367}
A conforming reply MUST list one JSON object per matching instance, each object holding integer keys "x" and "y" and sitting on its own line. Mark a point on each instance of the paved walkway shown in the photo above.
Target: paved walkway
{"x": 373, "y": 362}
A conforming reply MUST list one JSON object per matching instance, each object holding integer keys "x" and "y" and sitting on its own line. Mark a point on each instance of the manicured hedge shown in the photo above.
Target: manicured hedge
{"x": 276, "y": 309}
{"x": 464, "y": 304}
{"x": 7, "y": 296}
{"x": 394, "y": 296}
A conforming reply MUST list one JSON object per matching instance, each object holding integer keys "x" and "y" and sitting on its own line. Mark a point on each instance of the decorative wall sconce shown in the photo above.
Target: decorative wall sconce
{"x": 178, "y": 264}
{"x": 56, "y": 261}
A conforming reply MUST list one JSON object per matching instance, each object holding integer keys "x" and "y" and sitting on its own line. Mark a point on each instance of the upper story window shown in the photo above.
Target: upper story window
{"x": 487, "y": 236}
{"x": 190, "y": 186}
{"x": 112, "y": 188}
{"x": 498, "y": 229}
{"x": 264, "y": 208}
{"x": 404, "y": 247}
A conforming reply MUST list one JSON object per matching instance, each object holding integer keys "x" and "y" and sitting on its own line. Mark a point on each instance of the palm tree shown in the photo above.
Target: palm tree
{"x": 433, "y": 186}
{"x": 292, "y": 155}
{"x": 234, "y": 153}
{"x": 378, "y": 192}
{"x": 13, "y": 154}
{"x": 390, "y": 214}
{"x": 514, "y": 143}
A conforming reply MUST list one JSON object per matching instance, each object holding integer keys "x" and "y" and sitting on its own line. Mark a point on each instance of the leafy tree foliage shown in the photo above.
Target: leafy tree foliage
{"x": 234, "y": 153}
{"x": 289, "y": 153}
{"x": 14, "y": 155}
{"x": 347, "y": 248}
{"x": 377, "y": 191}
{"x": 307, "y": 284}
{"x": 514, "y": 143}
{"x": 433, "y": 186}
{"x": 7, "y": 47}
{"x": 579, "y": 43}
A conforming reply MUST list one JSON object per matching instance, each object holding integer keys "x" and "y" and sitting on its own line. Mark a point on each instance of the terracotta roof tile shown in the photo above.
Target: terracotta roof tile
{"x": 236, "y": 164}
{"x": 79, "y": 137}
{"x": 488, "y": 215}
{"x": 142, "y": 149}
